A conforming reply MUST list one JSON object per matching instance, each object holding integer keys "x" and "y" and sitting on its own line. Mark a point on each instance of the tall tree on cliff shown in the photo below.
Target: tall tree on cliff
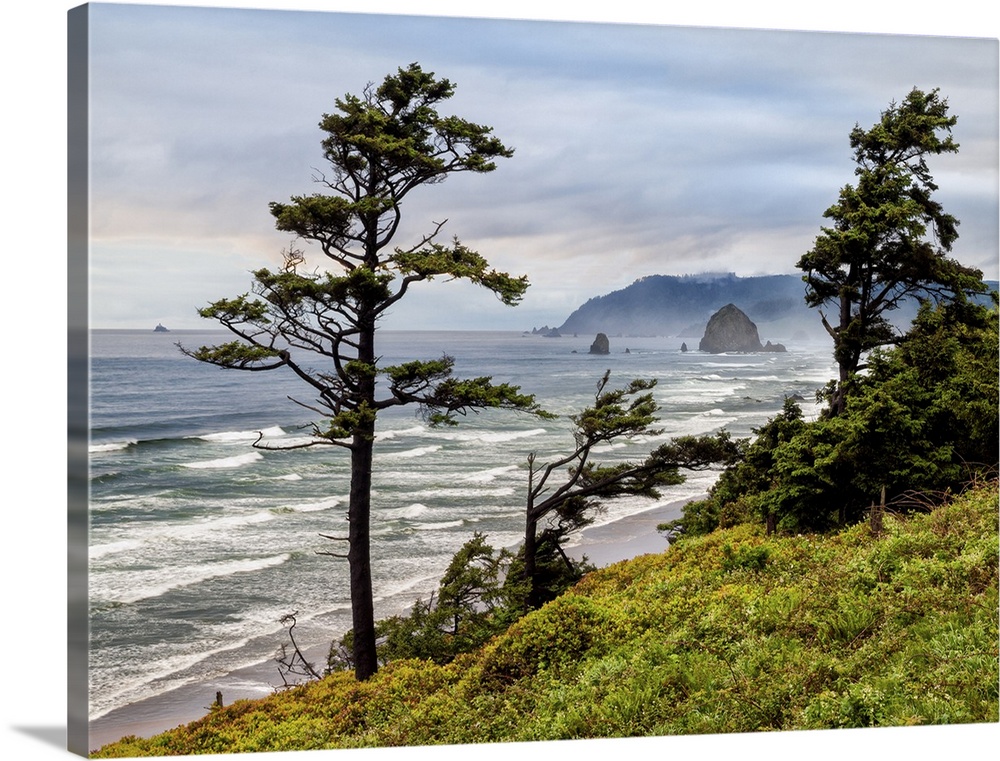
{"x": 381, "y": 145}
{"x": 889, "y": 237}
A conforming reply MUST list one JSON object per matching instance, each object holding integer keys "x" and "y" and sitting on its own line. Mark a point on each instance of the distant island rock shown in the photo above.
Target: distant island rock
{"x": 730, "y": 329}
{"x": 601, "y": 345}
{"x": 160, "y": 329}
{"x": 546, "y": 332}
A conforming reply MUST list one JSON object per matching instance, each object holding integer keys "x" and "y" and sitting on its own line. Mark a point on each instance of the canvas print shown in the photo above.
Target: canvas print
{"x": 443, "y": 381}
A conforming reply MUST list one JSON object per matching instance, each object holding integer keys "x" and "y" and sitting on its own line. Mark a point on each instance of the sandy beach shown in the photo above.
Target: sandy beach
{"x": 627, "y": 537}
{"x": 603, "y": 545}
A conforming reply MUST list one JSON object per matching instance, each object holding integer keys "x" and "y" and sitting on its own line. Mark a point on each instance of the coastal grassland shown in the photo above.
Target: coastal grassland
{"x": 732, "y": 631}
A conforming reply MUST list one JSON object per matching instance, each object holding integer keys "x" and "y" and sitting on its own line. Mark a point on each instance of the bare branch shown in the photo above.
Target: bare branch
{"x": 294, "y": 664}
{"x": 305, "y": 445}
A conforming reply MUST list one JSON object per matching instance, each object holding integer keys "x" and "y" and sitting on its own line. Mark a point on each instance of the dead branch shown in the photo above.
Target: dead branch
{"x": 294, "y": 663}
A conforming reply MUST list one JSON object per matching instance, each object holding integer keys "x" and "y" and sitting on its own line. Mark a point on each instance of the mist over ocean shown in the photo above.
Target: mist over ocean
{"x": 200, "y": 543}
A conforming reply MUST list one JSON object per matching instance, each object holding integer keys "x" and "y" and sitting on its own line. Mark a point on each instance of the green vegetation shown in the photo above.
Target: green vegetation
{"x": 477, "y": 598}
{"x": 921, "y": 422}
{"x": 734, "y": 631}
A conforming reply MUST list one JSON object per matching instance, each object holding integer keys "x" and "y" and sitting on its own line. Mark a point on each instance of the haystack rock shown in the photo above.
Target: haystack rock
{"x": 730, "y": 329}
{"x": 601, "y": 345}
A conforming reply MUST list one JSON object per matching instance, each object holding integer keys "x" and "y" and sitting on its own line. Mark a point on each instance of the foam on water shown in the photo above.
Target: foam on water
{"x": 396, "y": 434}
{"x": 311, "y": 507}
{"x": 409, "y": 454}
{"x": 409, "y": 512}
{"x": 155, "y": 534}
{"x": 236, "y": 461}
{"x": 408, "y": 585}
{"x": 100, "y": 550}
{"x": 610, "y": 447}
{"x": 131, "y": 586}
{"x": 491, "y": 474}
{"x": 489, "y": 437}
{"x": 288, "y": 442}
{"x": 437, "y": 526}
{"x": 237, "y": 436}
{"x": 446, "y": 493}
{"x": 112, "y": 446}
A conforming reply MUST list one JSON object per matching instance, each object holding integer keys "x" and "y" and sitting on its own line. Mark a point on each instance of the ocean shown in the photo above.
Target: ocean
{"x": 200, "y": 544}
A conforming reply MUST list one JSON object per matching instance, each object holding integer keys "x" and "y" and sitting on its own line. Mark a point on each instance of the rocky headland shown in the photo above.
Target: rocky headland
{"x": 680, "y": 305}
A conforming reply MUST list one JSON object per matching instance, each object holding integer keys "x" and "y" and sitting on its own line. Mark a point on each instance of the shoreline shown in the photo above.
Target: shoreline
{"x": 621, "y": 539}
{"x": 630, "y": 536}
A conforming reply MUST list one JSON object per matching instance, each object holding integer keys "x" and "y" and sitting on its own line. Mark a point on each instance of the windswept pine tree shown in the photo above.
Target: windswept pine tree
{"x": 568, "y": 488}
{"x": 889, "y": 238}
{"x": 322, "y": 326}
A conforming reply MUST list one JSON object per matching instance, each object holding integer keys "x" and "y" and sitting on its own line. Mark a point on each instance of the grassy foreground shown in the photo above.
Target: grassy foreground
{"x": 730, "y": 632}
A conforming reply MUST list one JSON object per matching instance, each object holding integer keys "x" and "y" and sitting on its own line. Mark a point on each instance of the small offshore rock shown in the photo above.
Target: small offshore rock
{"x": 546, "y": 332}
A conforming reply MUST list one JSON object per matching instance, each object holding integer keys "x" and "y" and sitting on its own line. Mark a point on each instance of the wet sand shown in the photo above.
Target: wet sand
{"x": 627, "y": 537}
{"x": 603, "y": 545}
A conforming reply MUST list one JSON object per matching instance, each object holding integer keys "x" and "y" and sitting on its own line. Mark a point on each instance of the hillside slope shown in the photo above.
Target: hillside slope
{"x": 731, "y": 632}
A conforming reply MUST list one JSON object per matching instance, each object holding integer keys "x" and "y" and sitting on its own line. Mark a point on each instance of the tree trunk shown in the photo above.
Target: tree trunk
{"x": 359, "y": 518}
{"x": 359, "y": 558}
{"x": 877, "y": 516}
{"x": 837, "y": 402}
{"x": 530, "y": 550}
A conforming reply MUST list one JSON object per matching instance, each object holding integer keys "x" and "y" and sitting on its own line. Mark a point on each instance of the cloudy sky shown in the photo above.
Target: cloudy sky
{"x": 639, "y": 149}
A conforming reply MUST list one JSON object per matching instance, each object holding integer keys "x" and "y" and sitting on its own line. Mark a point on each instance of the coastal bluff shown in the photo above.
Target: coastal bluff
{"x": 730, "y": 330}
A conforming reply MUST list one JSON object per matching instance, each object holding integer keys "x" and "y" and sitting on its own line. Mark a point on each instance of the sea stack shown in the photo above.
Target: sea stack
{"x": 730, "y": 329}
{"x": 601, "y": 345}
